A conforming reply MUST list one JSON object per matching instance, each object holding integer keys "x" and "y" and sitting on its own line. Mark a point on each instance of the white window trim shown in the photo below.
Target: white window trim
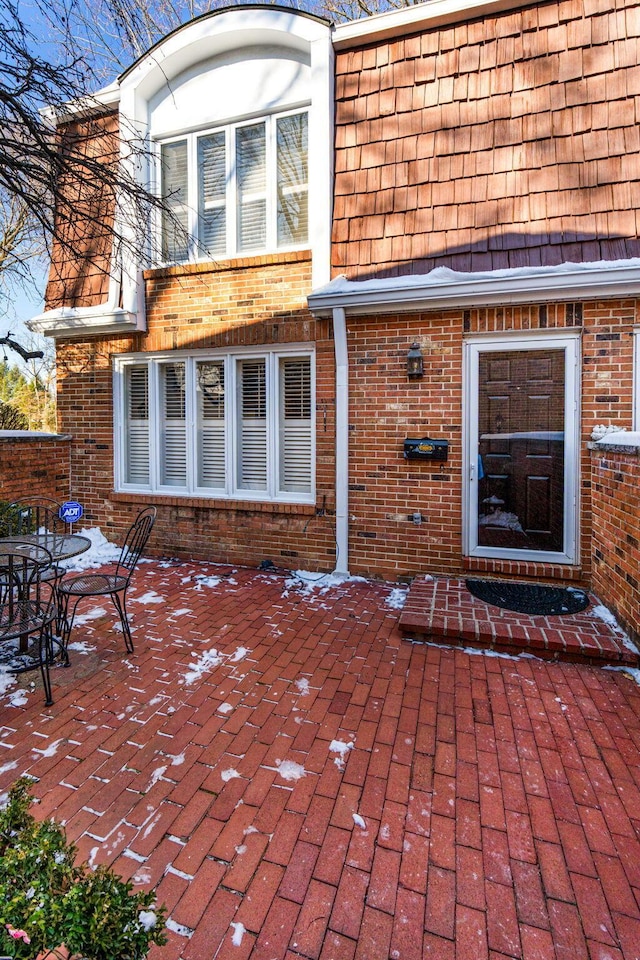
{"x": 473, "y": 346}
{"x": 231, "y": 490}
{"x": 195, "y": 254}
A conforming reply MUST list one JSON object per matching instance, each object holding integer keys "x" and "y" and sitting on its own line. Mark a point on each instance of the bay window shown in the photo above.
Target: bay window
{"x": 220, "y": 425}
{"x": 239, "y": 189}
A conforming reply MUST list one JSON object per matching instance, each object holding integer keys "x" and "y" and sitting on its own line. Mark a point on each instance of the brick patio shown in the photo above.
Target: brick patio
{"x": 497, "y": 799}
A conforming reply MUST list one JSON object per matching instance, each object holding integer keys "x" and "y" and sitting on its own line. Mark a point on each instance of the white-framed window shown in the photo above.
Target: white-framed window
{"x": 219, "y": 424}
{"x": 237, "y": 189}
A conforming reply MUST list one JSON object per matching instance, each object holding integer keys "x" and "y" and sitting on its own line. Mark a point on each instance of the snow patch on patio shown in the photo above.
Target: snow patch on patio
{"x": 81, "y": 646}
{"x": 239, "y": 655}
{"x": 99, "y": 553}
{"x": 209, "y": 660}
{"x": 302, "y": 685}
{"x": 149, "y": 597}
{"x": 229, "y": 774}
{"x": 342, "y": 749}
{"x": 205, "y": 663}
{"x": 49, "y": 751}
{"x": 206, "y": 581}
{"x": 179, "y": 928}
{"x": 7, "y": 679}
{"x": 632, "y": 672}
{"x": 603, "y": 613}
{"x": 397, "y": 598}
{"x": 307, "y": 582}
{"x": 290, "y": 770}
{"x": 239, "y": 931}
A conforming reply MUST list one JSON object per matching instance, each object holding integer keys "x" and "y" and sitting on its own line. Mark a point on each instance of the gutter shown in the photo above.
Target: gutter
{"x": 105, "y": 318}
{"x": 342, "y": 441}
{"x": 443, "y": 289}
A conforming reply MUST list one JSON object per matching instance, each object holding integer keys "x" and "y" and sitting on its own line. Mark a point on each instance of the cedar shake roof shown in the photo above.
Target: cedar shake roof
{"x": 507, "y": 141}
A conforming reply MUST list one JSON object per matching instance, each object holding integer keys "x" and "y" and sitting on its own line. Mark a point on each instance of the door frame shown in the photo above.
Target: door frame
{"x": 569, "y": 341}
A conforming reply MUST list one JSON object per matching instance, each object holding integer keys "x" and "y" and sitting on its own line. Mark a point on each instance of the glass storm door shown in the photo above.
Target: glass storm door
{"x": 521, "y": 453}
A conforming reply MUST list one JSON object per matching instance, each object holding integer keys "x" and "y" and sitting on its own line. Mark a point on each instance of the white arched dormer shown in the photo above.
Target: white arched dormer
{"x": 224, "y": 68}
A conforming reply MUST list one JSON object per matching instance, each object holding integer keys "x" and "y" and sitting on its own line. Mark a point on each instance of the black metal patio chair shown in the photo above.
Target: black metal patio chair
{"x": 28, "y": 609}
{"x": 39, "y": 517}
{"x": 115, "y": 584}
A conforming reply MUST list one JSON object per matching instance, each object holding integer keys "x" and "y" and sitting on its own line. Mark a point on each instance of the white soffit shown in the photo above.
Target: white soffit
{"x": 74, "y": 322}
{"x": 444, "y": 289}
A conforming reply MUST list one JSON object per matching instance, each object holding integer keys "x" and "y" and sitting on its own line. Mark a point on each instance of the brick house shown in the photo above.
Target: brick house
{"x": 454, "y": 184}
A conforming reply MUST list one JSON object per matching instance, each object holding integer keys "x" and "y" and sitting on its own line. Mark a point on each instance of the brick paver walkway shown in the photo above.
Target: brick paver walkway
{"x": 496, "y": 801}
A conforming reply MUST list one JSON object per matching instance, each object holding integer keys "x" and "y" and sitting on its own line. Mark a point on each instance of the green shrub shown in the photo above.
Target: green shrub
{"x": 53, "y": 901}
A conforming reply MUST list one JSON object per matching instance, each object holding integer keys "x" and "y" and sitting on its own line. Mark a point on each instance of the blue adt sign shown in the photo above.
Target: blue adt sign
{"x": 71, "y": 511}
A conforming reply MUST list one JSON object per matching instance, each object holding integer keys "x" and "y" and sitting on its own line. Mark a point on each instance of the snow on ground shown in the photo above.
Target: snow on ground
{"x": 149, "y": 597}
{"x": 604, "y": 614}
{"x": 397, "y": 598}
{"x": 204, "y": 581}
{"x": 7, "y": 679}
{"x": 100, "y": 552}
{"x": 307, "y": 582}
{"x": 342, "y": 749}
{"x": 290, "y": 770}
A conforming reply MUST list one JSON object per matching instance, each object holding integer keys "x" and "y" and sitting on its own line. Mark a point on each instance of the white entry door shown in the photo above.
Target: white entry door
{"x": 521, "y": 451}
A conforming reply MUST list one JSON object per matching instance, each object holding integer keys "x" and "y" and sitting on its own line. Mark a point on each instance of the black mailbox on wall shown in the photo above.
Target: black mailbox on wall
{"x": 424, "y": 448}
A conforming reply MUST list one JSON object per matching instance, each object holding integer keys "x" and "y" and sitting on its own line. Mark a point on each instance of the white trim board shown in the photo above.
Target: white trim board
{"x": 443, "y": 288}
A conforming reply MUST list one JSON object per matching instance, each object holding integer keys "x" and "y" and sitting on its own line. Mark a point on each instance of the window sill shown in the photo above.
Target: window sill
{"x": 211, "y": 503}
{"x": 235, "y": 263}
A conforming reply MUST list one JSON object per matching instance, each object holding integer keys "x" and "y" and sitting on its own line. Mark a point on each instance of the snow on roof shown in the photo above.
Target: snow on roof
{"x": 445, "y": 287}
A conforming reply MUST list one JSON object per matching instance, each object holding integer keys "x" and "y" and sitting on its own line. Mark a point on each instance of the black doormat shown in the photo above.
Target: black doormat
{"x": 529, "y": 598}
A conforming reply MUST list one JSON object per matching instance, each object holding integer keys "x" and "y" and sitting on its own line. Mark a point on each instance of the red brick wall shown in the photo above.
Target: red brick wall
{"x": 616, "y": 535}
{"x": 249, "y": 301}
{"x": 386, "y": 407}
{"x": 505, "y": 141}
{"x": 32, "y": 465}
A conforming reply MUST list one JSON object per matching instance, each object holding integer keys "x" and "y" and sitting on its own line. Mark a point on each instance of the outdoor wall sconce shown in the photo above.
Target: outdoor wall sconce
{"x": 415, "y": 363}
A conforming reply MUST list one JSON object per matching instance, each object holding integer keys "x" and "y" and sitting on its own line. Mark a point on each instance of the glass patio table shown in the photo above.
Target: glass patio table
{"x": 61, "y": 546}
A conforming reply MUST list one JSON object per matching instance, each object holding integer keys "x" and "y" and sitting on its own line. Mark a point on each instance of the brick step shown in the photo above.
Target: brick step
{"x": 441, "y": 610}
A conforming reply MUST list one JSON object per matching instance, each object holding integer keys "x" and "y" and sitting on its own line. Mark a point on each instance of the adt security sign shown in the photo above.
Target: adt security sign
{"x": 71, "y": 511}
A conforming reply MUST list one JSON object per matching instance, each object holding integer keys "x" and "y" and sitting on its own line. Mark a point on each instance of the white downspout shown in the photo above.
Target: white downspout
{"x": 342, "y": 440}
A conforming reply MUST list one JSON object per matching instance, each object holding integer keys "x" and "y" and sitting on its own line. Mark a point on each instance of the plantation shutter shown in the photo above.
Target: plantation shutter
{"x": 173, "y": 439}
{"x": 252, "y": 440}
{"x": 174, "y": 186}
{"x": 251, "y": 165}
{"x": 212, "y": 189}
{"x": 293, "y": 175}
{"x": 295, "y": 425}
{"x": 210, "y": 412}
{"x": 136, "y": 460}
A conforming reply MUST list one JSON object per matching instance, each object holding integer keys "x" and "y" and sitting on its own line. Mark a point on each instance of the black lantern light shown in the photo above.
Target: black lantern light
{"x": 415, "y": 365}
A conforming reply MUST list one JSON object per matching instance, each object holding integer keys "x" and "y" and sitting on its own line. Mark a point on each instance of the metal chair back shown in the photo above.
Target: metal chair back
{"x": 136, "y": 540}
{"x": 26, "y": 595}
{"x": 30, "y": 515}
{"x": 28, "y": 604}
